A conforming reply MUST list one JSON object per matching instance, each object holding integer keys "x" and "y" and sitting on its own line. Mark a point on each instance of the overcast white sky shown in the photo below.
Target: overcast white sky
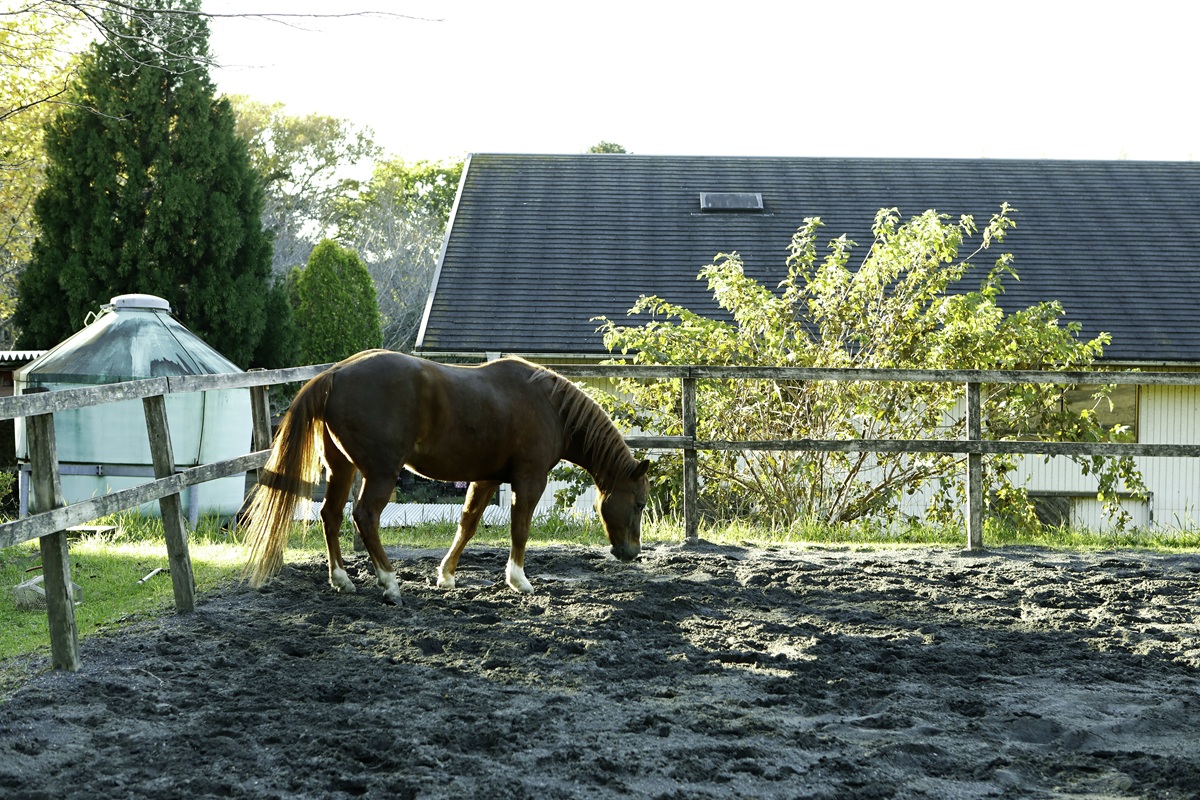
{"x": 1017, "y": 79}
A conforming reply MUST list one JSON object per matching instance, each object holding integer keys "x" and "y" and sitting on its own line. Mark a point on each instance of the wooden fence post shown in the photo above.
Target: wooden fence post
{"x": 691, "y": 483}
{"x": 174, "y": 527}
{"x": 56, "y": 562}
{"x": 260, "y": 438}
{"x": 260, "y": 414}
{"x": 974, "y": 469}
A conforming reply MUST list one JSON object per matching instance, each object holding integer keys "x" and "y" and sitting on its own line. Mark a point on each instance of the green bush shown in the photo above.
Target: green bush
{"x": 899, "y": 306}
{"x": 339, "y": 313}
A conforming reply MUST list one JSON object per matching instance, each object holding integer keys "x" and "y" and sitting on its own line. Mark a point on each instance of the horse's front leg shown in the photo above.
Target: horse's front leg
{"x": 479, "y": 494}
{"x": 526, "y": 494}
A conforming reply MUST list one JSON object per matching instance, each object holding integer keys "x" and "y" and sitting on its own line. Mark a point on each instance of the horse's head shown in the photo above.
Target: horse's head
{"x": 621, "y": 507}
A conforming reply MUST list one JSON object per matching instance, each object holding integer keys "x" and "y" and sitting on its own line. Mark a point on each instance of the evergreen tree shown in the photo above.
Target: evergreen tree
{"x": 280, "y": 344}
{"x": 339, "y": 314}
{"x": 148, "y": 189}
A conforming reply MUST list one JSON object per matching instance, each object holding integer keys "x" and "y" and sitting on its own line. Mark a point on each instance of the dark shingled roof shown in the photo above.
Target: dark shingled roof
{"x": 541, "y": 244}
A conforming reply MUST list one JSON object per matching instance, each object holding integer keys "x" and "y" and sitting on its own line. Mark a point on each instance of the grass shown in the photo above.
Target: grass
{"x": 109, "y": 566}
{"x": 995, "y": 535}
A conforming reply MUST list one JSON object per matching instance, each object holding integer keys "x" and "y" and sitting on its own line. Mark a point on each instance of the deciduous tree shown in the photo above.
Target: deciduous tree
{"x": 33, "y": 74}
{"x": 606, "y": 147}
{"x": 307, "y": 164}
{"x": 397, "y": 223}
{"x": 901, "y": 307}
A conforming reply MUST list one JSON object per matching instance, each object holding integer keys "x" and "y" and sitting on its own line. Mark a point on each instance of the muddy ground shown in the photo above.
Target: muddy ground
{"x": 696, "y": 672}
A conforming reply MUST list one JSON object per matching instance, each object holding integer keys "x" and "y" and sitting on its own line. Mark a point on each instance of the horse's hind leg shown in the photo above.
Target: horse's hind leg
{"x": 479, "y": 494}
{"x": 339, "y": 477}
{"x": 371, "y": 500}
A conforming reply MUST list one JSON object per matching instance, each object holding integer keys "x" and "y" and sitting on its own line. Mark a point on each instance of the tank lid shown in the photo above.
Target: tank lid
{"x": 142, "y": 301}
{"x": 133, "y": 337}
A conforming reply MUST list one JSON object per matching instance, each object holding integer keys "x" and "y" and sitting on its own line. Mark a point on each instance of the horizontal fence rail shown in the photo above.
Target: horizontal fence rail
{"x": 32, "y": 405}
{"x": 56, "y": 519}
{"x": 974, "y": 446}
{"x": 871, "y": 375}
{"x": 28, "y": 405}
{"x": 960, "y": 446}
{"x": 53, "y": 517}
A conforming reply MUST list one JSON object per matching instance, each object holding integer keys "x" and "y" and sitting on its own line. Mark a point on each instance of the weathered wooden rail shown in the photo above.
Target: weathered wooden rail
{"x": 974, "y": 446}
{"x": 52, "y": 518}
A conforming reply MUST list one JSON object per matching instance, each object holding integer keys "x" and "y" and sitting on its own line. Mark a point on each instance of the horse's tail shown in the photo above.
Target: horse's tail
{"x": 286, "y": 479}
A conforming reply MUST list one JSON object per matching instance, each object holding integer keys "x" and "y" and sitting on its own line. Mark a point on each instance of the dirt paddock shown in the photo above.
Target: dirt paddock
{"x": 696, "y": 672}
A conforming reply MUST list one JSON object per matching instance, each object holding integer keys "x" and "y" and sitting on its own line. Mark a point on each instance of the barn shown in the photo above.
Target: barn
{"x": 540, "y": 245}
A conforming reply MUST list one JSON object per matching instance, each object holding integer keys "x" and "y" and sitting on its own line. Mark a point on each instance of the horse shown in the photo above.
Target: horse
{"x": 378, "y": 412}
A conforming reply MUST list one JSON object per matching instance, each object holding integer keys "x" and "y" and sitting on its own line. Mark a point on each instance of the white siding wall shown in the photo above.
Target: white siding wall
{"x": 1166, "y": 415}
{"x": 1172, "y": 416}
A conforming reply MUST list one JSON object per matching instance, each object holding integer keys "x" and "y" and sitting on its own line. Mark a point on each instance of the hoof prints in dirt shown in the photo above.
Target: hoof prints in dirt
{"x": 695, "y": 672}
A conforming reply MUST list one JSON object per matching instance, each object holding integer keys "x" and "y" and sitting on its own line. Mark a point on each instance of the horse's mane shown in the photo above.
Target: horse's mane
{"x": 580, "y": 413}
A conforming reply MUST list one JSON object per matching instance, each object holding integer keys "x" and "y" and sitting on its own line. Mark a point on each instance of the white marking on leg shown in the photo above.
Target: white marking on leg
{"x": 515, "y": 577}
{"x": 391, "y": 589}
{"x": 340, "y": 581}
{"x": 445, "y": 578}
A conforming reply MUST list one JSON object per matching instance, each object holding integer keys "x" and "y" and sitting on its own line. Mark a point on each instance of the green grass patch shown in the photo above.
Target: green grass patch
{"x": 108, "y": 567}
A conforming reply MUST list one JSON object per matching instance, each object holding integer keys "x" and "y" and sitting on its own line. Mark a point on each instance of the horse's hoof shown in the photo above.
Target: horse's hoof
{"x": 393, "y": 599}
{"x": 391, "y": 588}
{"x": 514, "y": 576}
{"x": 341, "y": 582}
{"x": 445, "y": 580}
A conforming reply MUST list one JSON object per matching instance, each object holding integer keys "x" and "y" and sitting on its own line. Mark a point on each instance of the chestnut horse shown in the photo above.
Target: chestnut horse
{"x": 378, "y": 412}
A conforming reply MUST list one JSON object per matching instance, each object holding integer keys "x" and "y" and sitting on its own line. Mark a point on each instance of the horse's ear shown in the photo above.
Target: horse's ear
{"x": 641, "y": 469}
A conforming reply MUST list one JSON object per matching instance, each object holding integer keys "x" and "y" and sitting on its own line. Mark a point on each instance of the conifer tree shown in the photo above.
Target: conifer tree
{"x": 148, "y": 189}
{"x": 339, "y": 313}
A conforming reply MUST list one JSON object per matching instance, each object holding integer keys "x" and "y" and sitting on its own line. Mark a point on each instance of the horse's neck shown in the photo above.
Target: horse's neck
{"x": 592, "y": 441}
{"x": 597, "y": 453}
{"x": 578, "y": 454}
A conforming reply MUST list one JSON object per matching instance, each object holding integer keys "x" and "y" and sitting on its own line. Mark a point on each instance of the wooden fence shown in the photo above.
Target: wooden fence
{"x": 51, "y": 517}
{"x": 974, "y": 446}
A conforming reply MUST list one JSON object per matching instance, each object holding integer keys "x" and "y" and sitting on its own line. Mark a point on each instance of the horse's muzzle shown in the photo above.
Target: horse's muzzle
{"x": 626, "y": 552}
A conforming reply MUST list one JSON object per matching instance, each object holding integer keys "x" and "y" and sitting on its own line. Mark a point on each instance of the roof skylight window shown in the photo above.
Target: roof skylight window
{"x": 731, "y": 201}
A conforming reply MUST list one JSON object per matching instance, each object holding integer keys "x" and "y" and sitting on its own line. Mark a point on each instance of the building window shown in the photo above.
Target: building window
{"x": 1117, "y": 408}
